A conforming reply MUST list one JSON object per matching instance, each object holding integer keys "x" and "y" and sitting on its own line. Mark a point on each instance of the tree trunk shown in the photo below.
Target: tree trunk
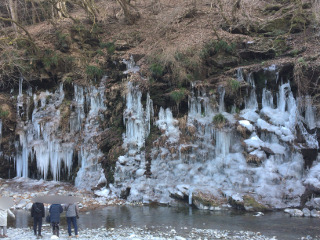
{"x": 131, "y": 14}
{"x": 34, "y": 16}
{"x": 62, "y": 6}
{"x": 13, "y": 12}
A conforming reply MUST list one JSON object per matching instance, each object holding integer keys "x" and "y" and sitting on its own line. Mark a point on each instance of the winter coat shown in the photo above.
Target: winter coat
{"x": 55, "y": 210}
{"x": 72, "y": 210}
{"x": 37, "y": 210}
{"x": 4, "y": 216}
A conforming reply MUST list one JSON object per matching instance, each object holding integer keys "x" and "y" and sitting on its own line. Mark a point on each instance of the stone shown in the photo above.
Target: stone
{"x": 247, "y": 203}
{"x": 306, "y": 212}
{"x": 140, "y": 172}
{"x": 121, "y": 45}
{"x": 294, "y": 212}
{"x": 315, "y": 213}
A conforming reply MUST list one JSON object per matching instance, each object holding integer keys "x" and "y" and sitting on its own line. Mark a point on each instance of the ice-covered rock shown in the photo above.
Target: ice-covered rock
{"x": 315, "y": 213}
{"x": 294, "y": 212}
{"x": 306, "y": 212}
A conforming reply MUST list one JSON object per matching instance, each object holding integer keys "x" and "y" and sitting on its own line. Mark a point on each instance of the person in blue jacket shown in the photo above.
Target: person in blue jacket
{"x": 55, "y": 210}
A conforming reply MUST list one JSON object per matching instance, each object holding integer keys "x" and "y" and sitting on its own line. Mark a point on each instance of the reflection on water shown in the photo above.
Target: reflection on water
{"x": 183, "y": 219}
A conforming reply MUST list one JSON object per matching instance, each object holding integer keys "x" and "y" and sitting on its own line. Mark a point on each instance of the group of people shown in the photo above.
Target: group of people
{"x": 38, "y": 212}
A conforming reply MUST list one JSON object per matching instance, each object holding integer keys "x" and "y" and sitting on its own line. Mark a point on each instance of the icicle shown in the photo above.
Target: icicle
{"x": 267, "y": 99}
{"x": 90, "y": 172}
{"x": 223, "y": 141}
{"x": 131, "y": 66}
{"x": 240, "y": 75}
{"x": 282, "y": 96}
{"x": 136, "y": 119}
{"x": 190, "y": 196}
{"x": 39, "y": 137}
{"x": 20, "y": 98}
{"x": 199, "y": 106}
{"x": 222, "y": 92}
{"x": 251, "y": 101}
{"x": 309, "y": 113}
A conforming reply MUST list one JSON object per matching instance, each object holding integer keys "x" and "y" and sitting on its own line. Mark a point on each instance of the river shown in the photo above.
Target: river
{"x": 182, "y": 220}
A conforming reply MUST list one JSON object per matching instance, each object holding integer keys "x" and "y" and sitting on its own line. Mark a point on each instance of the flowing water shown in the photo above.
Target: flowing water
{"x": 157, "y": 218}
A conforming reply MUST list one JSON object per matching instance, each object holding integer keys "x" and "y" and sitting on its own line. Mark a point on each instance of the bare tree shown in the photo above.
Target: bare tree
{"x": 12, "y": 4}
{"x": 130, "y": 12}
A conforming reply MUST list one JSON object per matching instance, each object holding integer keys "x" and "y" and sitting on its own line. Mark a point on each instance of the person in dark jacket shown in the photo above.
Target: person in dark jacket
{"x": 37, "y": 212}
{"x": 55, "y": 210}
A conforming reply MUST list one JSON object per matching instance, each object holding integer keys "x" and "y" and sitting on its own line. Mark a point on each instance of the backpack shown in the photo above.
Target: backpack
{"x": 36, "y": 209}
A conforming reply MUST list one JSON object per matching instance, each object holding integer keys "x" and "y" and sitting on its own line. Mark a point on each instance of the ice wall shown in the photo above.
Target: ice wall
{"x": 42, "y": 138}
{"x": 137, "y": 120}
{"x": 90, "y": 173}
{"x": 212, "y": 157}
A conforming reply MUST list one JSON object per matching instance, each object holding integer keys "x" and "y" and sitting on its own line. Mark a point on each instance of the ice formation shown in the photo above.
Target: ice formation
{"x": 42, "y": 140}
{"x": 211, "y": 160}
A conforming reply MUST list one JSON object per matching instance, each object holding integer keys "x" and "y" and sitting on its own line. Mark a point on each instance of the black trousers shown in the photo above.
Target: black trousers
{"x": 55, "y": 228}
{"x": 37, "y": 222}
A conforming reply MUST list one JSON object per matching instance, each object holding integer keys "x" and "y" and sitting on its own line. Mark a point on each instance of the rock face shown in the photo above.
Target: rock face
{"x": 7, "y": 126}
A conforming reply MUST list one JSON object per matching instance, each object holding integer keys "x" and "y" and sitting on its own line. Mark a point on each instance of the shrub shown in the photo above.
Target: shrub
{"x": 224, "y": 46}
{"x": 3, "y": 114}
{"x": 213, "y": 47}
{"x": 234, "y": 85}
{"x": 178, "y": 95}
{"x": 302, "y": 61}
{"x": 157, "y": 70}
{"x": 50, "y": 59}
{"x": 219, "y": 119}
{"x": 94, "y": 72}
{"x": 110, "y": 46}
{"x": 63, "y": 43}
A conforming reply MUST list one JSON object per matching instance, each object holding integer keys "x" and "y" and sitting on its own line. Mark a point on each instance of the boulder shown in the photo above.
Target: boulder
{"x": 247, "y": 203}
{"x": 206, "y": 201}
{"x": 294, "y": 212}
{"x": 306, "y": 212}
{"x": 315, "y": 213}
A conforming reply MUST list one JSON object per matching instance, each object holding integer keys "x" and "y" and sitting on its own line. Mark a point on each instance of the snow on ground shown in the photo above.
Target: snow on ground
{"x": 138, "y": 234}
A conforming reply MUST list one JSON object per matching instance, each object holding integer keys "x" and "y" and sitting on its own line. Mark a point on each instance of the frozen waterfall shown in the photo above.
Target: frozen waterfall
{"x": 42, "y": 139}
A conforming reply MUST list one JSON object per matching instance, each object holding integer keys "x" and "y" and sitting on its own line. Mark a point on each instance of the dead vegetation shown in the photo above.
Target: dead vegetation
{"x": 170, "y": 34}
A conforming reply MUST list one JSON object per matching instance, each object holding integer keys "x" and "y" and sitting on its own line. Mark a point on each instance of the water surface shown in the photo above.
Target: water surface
{"x": 184, "y": 219}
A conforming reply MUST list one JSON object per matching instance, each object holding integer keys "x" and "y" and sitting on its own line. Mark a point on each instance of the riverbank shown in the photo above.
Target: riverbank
{"x": 140, "y": 234}
{"x": 23, "y": 190}
{"x": 147, "y": 222}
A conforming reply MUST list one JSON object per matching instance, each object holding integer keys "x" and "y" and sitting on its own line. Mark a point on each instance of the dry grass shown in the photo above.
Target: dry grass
{"x": 167, "y": 28}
